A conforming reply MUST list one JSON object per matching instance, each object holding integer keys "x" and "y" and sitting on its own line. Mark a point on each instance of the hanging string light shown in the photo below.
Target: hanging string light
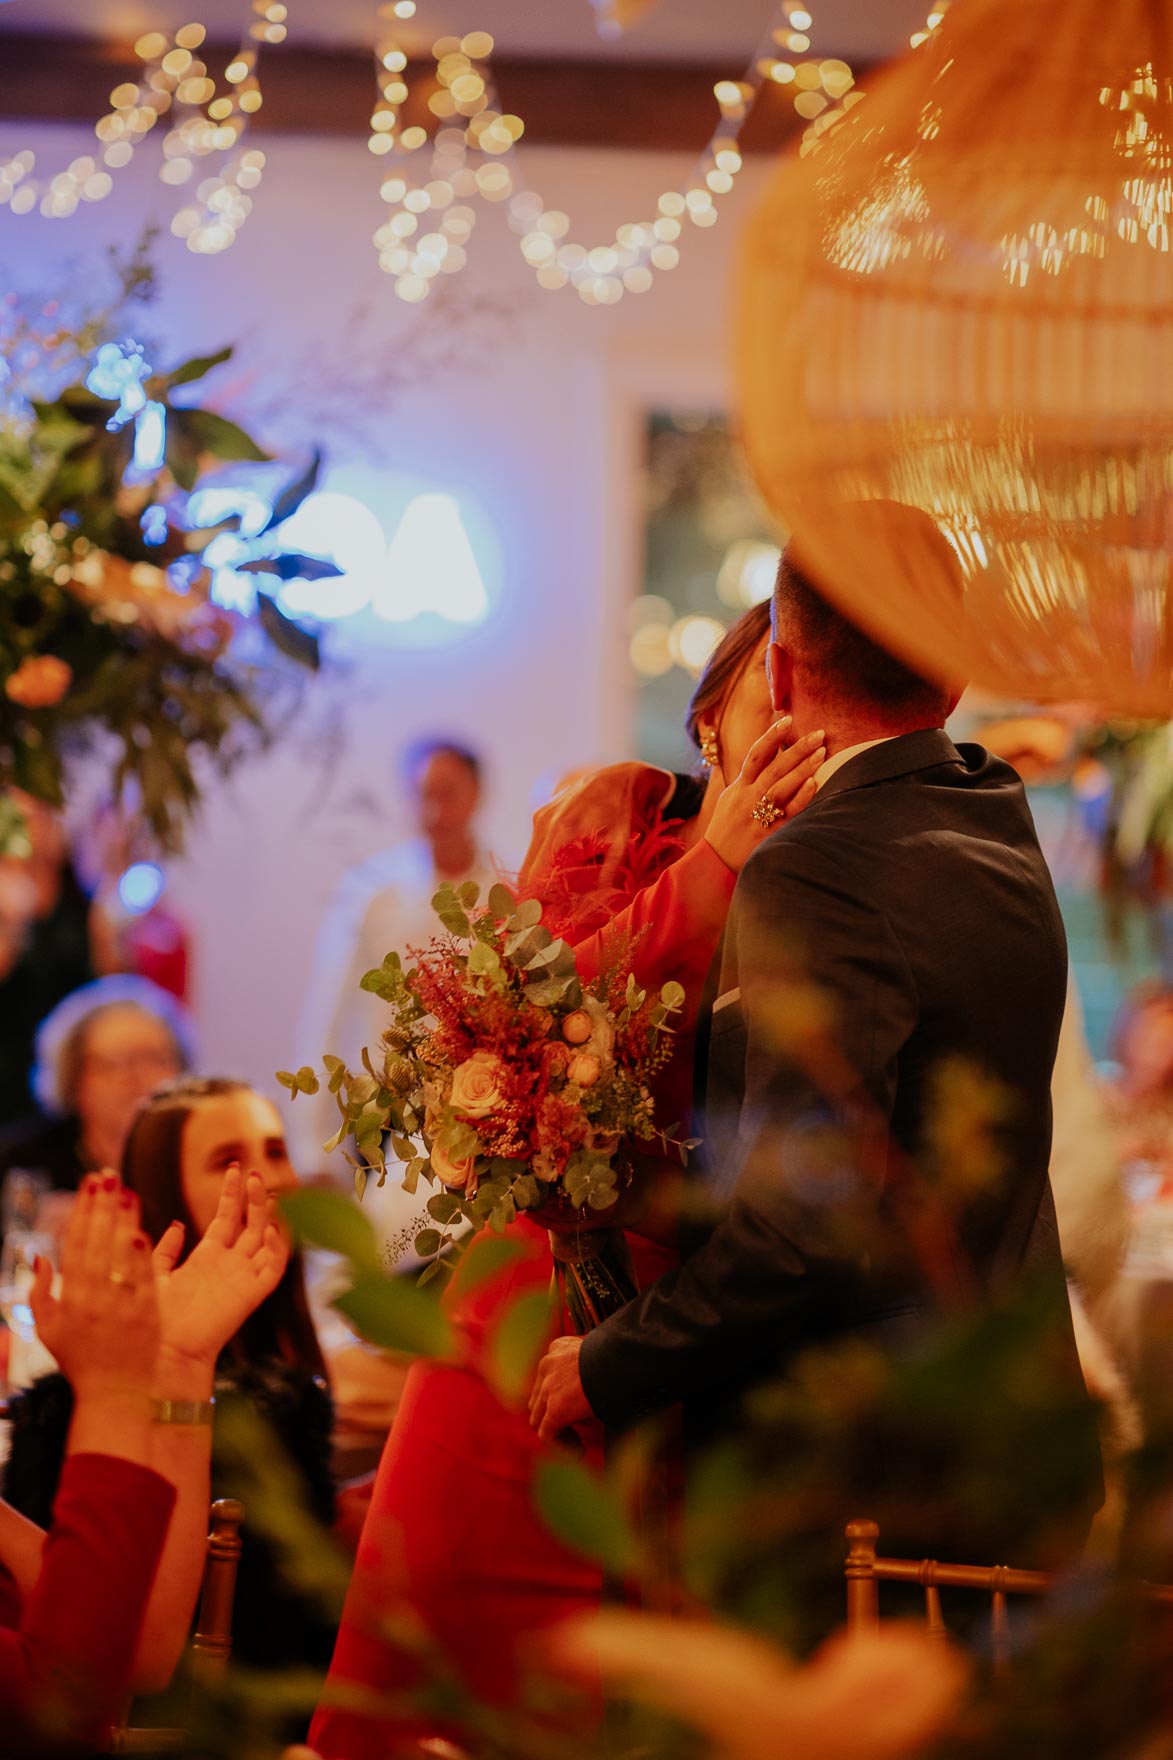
{"x": 205, "y": 125}
{"x": 473, "y": 157}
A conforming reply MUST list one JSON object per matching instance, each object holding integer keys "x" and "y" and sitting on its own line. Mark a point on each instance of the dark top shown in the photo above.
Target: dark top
{"x": 274, "y": 1625}
{"x": 51, "y": 1146}
{"x": 56, "y": 962}
{"x": 911, "y": 899}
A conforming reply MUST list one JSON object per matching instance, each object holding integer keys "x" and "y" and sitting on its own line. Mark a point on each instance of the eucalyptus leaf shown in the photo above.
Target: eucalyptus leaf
{"x": 444, "y": 1207}
{"x": 468, "y": 892}
{"x": 428, "y": 1241}
{"x": 452, "y": 913}
{"x": 501, "y": 902}
{"x": 527, "y": 916}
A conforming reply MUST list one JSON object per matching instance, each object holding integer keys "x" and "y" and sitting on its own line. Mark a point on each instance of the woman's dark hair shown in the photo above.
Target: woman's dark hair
{"x": 726, "y": 665}
{"x": 152, "y": 1166}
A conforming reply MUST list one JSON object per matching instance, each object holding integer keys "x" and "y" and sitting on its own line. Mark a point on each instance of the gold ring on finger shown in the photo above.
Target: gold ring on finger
{"x": 767, "y": 812}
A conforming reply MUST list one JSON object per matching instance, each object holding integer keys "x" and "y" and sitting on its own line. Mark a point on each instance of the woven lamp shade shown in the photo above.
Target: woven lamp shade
{"x": 960, "y": 299}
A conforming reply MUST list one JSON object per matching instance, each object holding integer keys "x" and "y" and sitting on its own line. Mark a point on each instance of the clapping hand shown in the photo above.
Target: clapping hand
{"x": 240, "y": 1261}
{"x": 103, "y": 1328}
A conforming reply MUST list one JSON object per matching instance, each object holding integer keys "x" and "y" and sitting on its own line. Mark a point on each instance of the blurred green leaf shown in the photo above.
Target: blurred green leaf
{"x": 325, "y": 1218}
{"x": 394, "y": 1313}
{"x": 291, "y": 497}
{"x": 487, "y": 1255}
{"x": 585, "y": 1513}
{"x": 196, "y": 368}
{"x": 224, "y": 439}
{"x": 516, "y": 1344}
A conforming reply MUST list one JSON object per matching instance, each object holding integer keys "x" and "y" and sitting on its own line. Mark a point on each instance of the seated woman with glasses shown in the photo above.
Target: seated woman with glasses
{"x": 101, "y": 1051}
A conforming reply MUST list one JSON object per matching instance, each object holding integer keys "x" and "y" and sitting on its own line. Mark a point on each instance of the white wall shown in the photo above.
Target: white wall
{"x": 541, "y": 428}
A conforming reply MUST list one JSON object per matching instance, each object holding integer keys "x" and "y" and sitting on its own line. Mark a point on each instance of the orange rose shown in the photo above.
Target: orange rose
{"x": 476, "y": 1084}
{"x": 577, "y": 1027}
{"x": 448, "y": 1170}
{"x": 39, "y": 682}
{"x": 584, "y": 1070}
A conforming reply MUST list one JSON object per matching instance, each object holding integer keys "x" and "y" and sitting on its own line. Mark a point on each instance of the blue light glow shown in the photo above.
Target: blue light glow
{"x": 140, "y": 887}
{"x": 429, "y": 569}
{"x": 154, "y": 524}
{"x": 118, "y": 371}
{"x": 150, "y": 438}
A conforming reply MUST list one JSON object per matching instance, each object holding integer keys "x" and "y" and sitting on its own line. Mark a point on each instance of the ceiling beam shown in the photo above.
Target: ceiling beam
{"x": 646, "y": 106}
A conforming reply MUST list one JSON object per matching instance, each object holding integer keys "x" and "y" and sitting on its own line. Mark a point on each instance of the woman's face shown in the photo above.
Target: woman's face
{"x": 747, "y": 712}
{"x": 125, "y": 1053}
{"x": 225, "y": 1128}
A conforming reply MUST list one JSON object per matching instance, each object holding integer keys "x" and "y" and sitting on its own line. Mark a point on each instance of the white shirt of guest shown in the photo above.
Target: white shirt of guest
{"x": 382, "y": 904}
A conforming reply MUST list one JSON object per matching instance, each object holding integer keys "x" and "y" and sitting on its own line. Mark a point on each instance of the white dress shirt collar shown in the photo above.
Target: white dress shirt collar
{"x": 837, "y": 760}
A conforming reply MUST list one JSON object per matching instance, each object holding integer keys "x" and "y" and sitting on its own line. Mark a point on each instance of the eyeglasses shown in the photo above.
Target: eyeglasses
{"x": 159, "y": 1062}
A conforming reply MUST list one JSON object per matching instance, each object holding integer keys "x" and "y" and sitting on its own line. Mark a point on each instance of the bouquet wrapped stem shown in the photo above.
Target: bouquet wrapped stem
{"x": 593, "y": 1275}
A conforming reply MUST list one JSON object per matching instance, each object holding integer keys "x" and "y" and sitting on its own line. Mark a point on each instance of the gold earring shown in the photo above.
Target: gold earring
{"x": 710, "y": 749}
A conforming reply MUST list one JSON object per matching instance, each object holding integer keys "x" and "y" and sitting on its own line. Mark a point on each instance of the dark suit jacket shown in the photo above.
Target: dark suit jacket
{"x": 904, "y": 925}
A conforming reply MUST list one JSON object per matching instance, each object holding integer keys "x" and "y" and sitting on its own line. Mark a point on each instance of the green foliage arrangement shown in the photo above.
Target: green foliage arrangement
{"x": 108, "y": 637}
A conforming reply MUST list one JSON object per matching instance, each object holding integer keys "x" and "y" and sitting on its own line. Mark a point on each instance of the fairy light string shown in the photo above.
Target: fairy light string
{"x": 431, "y": 183}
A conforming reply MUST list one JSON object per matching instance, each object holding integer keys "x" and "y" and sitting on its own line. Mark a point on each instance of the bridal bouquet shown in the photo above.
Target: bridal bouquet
{"x": 512, "y": 1084}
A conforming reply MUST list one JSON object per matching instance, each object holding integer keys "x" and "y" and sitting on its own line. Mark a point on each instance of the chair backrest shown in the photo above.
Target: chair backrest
{"x": 865, "y": 1570}
{"x": 211, "y": 1645}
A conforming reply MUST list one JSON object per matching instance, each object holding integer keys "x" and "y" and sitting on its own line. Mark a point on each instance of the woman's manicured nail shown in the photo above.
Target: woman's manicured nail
{"x": 91, "y": 1184}
{"x": 126, "y": 1199}
{"x": 109, "y": 1182}
{"x": 141, "y": 1243}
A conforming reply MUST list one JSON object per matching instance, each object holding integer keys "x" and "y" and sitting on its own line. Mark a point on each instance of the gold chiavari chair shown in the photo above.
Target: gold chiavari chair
{"x": 211, "y": 1646}
{"x": 865, "y": 1570}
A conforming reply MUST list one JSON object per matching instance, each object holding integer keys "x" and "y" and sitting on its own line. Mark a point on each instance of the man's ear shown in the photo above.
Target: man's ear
{"x": 780, "y": 674}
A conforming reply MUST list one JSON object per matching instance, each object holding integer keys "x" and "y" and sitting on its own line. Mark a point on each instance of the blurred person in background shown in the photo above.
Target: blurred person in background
{"x": 181, "y": 1146}
{"x": 100, "y": 1052}
{"x": 385, "y": 902}
{"x": 131, "y": 928}
{"x": 44, "y": 947}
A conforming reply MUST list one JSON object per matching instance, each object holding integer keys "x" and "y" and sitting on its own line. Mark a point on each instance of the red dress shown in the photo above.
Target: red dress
{"x": 67, "y": 1652}
{"x": 453, "y": 1546}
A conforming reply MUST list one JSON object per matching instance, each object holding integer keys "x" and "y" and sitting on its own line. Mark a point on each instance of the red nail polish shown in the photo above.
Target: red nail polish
{"x": 126, "y": 1199}
{"x": 109, "y": 1182}
{"x": 142, "y": 1244}
{"x": 91, "y": 1183}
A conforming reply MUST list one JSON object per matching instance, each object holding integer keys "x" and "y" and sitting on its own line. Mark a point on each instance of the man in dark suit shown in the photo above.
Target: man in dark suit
{"x": 893, "y": 951}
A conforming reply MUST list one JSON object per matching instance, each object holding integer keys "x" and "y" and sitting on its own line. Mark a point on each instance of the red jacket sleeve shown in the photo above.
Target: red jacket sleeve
{"x": 66, "y": 1667}
{"x": 676, "y": 922}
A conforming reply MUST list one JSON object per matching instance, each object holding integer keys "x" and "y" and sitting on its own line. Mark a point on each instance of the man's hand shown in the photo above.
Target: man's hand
{"x": 558, "y": 1401}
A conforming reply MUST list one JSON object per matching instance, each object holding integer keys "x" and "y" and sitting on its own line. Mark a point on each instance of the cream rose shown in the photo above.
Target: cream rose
{"x": 576, "y": 1028}
{"x": 584, "y": 1070}
{"x": 476, "y": 1084}
{"x": 448, "y": 1170}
